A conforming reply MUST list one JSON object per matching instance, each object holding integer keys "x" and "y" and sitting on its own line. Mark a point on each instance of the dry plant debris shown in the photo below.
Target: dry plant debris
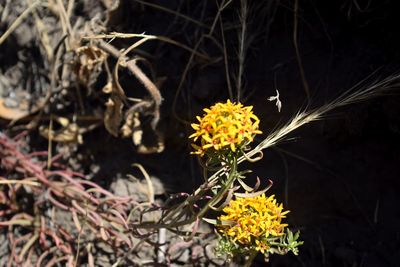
{"x": 75, "y": 61}
{"x": 104, "y": 224}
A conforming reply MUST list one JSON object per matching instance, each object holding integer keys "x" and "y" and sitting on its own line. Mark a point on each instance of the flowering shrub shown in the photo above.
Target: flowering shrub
{"x": 252, "y": 221}
{"x": 225, "y": 127}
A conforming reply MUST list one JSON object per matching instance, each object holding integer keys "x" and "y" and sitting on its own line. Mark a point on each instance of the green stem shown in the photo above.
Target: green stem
{"x": 251, "y": 258}
{"x": 231, "y": 178}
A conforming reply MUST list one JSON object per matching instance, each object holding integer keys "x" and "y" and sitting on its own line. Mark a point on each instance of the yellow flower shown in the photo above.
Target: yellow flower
{"x": 251, "y": 221}
{"x": 224, "y": 126}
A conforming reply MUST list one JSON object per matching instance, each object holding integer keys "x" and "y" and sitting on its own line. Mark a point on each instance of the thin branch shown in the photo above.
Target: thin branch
{"x": 226, "y": 63}
{"x": 296, "y": 48}
{"x": 242, "y": 47}
{"x": 19, "y": 20}
{"x": 147, "y": 37}
{"x": 167, "y": 10}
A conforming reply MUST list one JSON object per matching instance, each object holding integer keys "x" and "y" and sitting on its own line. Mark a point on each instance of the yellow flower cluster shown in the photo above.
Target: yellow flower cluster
{"x": 251, "y": 221}
{"x": 225, "y": 126}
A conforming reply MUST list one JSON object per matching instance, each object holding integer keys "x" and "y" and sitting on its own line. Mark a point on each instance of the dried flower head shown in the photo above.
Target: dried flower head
{"x": 224, "y": 127}
{"x": 252, "y": 222}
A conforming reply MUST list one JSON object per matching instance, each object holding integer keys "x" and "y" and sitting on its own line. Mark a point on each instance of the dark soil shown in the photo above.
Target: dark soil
{"x": 339, "y": 176}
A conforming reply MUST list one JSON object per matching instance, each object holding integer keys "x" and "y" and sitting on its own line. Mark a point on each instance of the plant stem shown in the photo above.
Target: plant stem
{"x": 251, "y": 258}
{"x": 231, "y": 178}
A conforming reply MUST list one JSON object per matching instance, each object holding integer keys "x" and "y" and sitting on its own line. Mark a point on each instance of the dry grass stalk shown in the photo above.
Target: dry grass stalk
{"x": 357, "y": 93}
{"x": 167, "y": 10}
{"x": 351, "y": 96}
{"x": 297, "y": 50}
{"x": 145, "y": 38}
{"x": 19, "y": 20}
{"x": 243, "y": 45}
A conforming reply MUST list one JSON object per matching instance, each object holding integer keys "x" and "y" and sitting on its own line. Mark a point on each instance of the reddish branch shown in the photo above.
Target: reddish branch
{"x": 90, "y": 205}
